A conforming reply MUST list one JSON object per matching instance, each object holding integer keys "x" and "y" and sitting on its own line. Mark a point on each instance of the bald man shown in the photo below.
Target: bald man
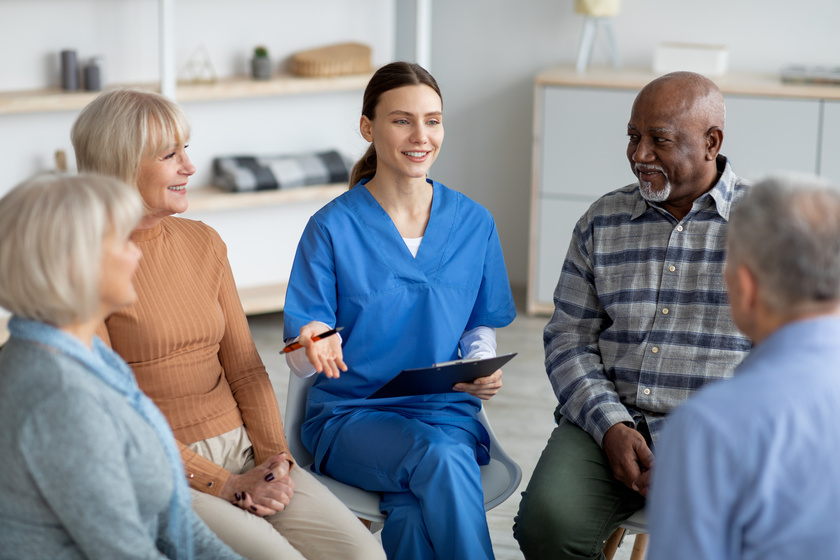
{"x": 641, "y": 320}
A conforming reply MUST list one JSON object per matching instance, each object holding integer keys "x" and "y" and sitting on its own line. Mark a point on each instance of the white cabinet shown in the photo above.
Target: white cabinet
{"x": 584, "y": 139}
{"x": 580, "y": 145}
{"x": 557, "y": 217}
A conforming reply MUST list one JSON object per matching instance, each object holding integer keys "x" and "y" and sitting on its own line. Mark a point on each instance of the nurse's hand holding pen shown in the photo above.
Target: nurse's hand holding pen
{"x": 484, "y": 387}
{"x": 324, "y": 354}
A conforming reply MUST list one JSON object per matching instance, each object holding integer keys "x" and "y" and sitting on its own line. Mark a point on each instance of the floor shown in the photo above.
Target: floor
{"x": 521, "y": 414}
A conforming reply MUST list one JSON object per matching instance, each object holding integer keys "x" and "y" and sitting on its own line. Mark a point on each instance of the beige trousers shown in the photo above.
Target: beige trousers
{"x": 314, "y": 526}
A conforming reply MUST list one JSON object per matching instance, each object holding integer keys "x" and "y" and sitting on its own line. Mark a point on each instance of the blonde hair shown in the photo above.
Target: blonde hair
{"x": 119, "y": 128}
{"x": 52, "y": 229}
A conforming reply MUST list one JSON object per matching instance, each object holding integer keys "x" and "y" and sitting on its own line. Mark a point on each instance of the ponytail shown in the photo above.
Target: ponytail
{"x": 365, "y": 168}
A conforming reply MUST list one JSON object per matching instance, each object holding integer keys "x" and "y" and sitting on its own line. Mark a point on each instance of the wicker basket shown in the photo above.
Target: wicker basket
{"x": 334, "y": 60}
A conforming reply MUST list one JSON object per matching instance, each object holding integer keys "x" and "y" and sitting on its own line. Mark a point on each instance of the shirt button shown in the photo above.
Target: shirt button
{"x": 672, "y": 268}
{"x": 655, "y": 350}
{"x": 679, "y": 228}
{"x": 192, "y": 475}
{"x": 646, "y": 391}
{"x": 665, "y": 311}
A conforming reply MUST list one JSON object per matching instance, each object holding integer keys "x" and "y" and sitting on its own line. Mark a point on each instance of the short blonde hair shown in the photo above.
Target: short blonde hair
{"x": 52, "y": 229}
{"x": 119, "y": 128}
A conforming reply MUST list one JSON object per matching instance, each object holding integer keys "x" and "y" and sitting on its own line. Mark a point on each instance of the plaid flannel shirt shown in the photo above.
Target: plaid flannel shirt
{"x": 641, "y": 316}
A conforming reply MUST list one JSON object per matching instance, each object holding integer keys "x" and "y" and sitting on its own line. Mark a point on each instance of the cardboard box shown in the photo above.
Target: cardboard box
{"x": 709, "y": 60}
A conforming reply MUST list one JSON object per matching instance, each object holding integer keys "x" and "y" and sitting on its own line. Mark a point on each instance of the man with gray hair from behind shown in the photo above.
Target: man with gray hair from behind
{"x": 750, "y": 467}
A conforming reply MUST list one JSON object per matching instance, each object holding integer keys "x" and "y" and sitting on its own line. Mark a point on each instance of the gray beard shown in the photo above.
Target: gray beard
{"x": 654, "y": 196}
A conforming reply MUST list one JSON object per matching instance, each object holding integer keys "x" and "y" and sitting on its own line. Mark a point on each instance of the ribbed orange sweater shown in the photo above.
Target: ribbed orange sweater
{"x": 188, "y": 342}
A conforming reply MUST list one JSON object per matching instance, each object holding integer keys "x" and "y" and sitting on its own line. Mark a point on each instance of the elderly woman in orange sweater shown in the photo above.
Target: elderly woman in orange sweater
{"x": 188, "y": 342}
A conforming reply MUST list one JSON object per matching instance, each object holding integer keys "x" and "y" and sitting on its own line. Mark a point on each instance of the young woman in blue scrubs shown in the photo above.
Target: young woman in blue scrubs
{"x": 414, "y": 273}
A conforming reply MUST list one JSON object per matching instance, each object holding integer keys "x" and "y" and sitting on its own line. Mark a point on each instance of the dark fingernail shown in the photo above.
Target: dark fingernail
{"x": 269, "y": 477}
{"x": 238, "y": 497}
{"x": 253, "y": 508}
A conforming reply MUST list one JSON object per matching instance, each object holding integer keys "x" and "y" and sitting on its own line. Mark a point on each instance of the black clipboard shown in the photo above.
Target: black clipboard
{"x": 440, "y": 377}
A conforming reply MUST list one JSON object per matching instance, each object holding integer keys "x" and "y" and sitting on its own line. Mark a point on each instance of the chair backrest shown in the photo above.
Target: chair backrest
{"x": 295, "y": 415}
{"x": 502, "y": 476}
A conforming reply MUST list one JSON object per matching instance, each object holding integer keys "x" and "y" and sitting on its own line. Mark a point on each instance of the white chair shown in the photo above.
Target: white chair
{"x": 499, "y": 478}
{"x": 635, "y": 524}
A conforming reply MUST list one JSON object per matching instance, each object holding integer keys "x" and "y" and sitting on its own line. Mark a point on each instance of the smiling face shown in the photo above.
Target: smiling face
{"x": 674, "y": 140}
{"x": 162, "y": 183}
{"x": 407, "y": 132}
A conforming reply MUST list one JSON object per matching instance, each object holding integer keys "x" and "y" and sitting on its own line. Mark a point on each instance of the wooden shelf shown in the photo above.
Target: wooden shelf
{"x": 242, "y": 87}
{"x": 209, "y": 198}
{"x": 733, "y": 83}
{"x": 268, "y": 298}
{"x": 263, "y": 299}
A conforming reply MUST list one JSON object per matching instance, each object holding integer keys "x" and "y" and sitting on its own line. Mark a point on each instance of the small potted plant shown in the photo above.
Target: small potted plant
{"x": 261, "y": 64}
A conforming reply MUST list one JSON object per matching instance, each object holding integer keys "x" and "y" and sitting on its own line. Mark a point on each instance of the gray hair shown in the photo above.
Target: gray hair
{"x": 52, "y": 229}
{"x": 786, "y": 230}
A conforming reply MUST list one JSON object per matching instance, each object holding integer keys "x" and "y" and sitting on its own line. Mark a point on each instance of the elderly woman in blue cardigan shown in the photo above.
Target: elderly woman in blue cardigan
{"x": 89, "y": 467}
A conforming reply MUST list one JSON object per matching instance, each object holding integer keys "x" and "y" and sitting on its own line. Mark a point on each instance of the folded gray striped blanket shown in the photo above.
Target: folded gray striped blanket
{"x": 256, "y": 173}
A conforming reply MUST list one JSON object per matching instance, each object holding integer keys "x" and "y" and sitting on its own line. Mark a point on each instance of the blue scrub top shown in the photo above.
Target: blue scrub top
{"x": 353, "y": 269}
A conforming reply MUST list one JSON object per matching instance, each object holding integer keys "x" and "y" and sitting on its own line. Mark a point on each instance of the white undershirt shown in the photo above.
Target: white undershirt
{"x": 413, "y": 244}
{"x": 479, "y": 342}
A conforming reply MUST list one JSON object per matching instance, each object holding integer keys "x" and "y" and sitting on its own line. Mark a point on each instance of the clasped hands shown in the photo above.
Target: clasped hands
{"x": 264, "y": 490}
{"x": 630, "y": 457}
{"x": 326, "y": 357}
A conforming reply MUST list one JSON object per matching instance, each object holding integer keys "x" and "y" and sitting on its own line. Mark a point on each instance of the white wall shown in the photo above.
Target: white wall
{"x": 484, "y": 54}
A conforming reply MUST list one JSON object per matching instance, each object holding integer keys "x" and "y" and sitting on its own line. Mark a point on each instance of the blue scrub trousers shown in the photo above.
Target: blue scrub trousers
{"x": 430, "y": 480}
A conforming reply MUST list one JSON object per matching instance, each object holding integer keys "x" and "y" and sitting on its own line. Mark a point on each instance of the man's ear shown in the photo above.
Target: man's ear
{"x": 714, "y": 140}
{"x": 749, "y": 288}
{"x": 366, "y": 128}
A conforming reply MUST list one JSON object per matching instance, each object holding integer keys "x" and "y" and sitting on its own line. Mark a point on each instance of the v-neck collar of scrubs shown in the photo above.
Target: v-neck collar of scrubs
{"x": 393, "y": 249}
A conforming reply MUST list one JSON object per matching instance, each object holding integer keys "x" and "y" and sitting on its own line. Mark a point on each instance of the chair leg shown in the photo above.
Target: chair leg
{"x": 639, "y": 547}
{"x": 612, "y": 543}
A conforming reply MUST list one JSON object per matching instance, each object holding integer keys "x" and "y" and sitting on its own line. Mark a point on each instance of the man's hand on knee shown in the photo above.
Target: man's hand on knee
{"x": 630, "y": 457}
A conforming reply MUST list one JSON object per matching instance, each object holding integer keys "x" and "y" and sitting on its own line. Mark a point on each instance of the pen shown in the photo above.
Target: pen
{"x": 295, "y": 345}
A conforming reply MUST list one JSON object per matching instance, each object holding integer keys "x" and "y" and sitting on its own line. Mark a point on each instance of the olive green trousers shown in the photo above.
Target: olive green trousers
{"x": 573, "y": 503}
